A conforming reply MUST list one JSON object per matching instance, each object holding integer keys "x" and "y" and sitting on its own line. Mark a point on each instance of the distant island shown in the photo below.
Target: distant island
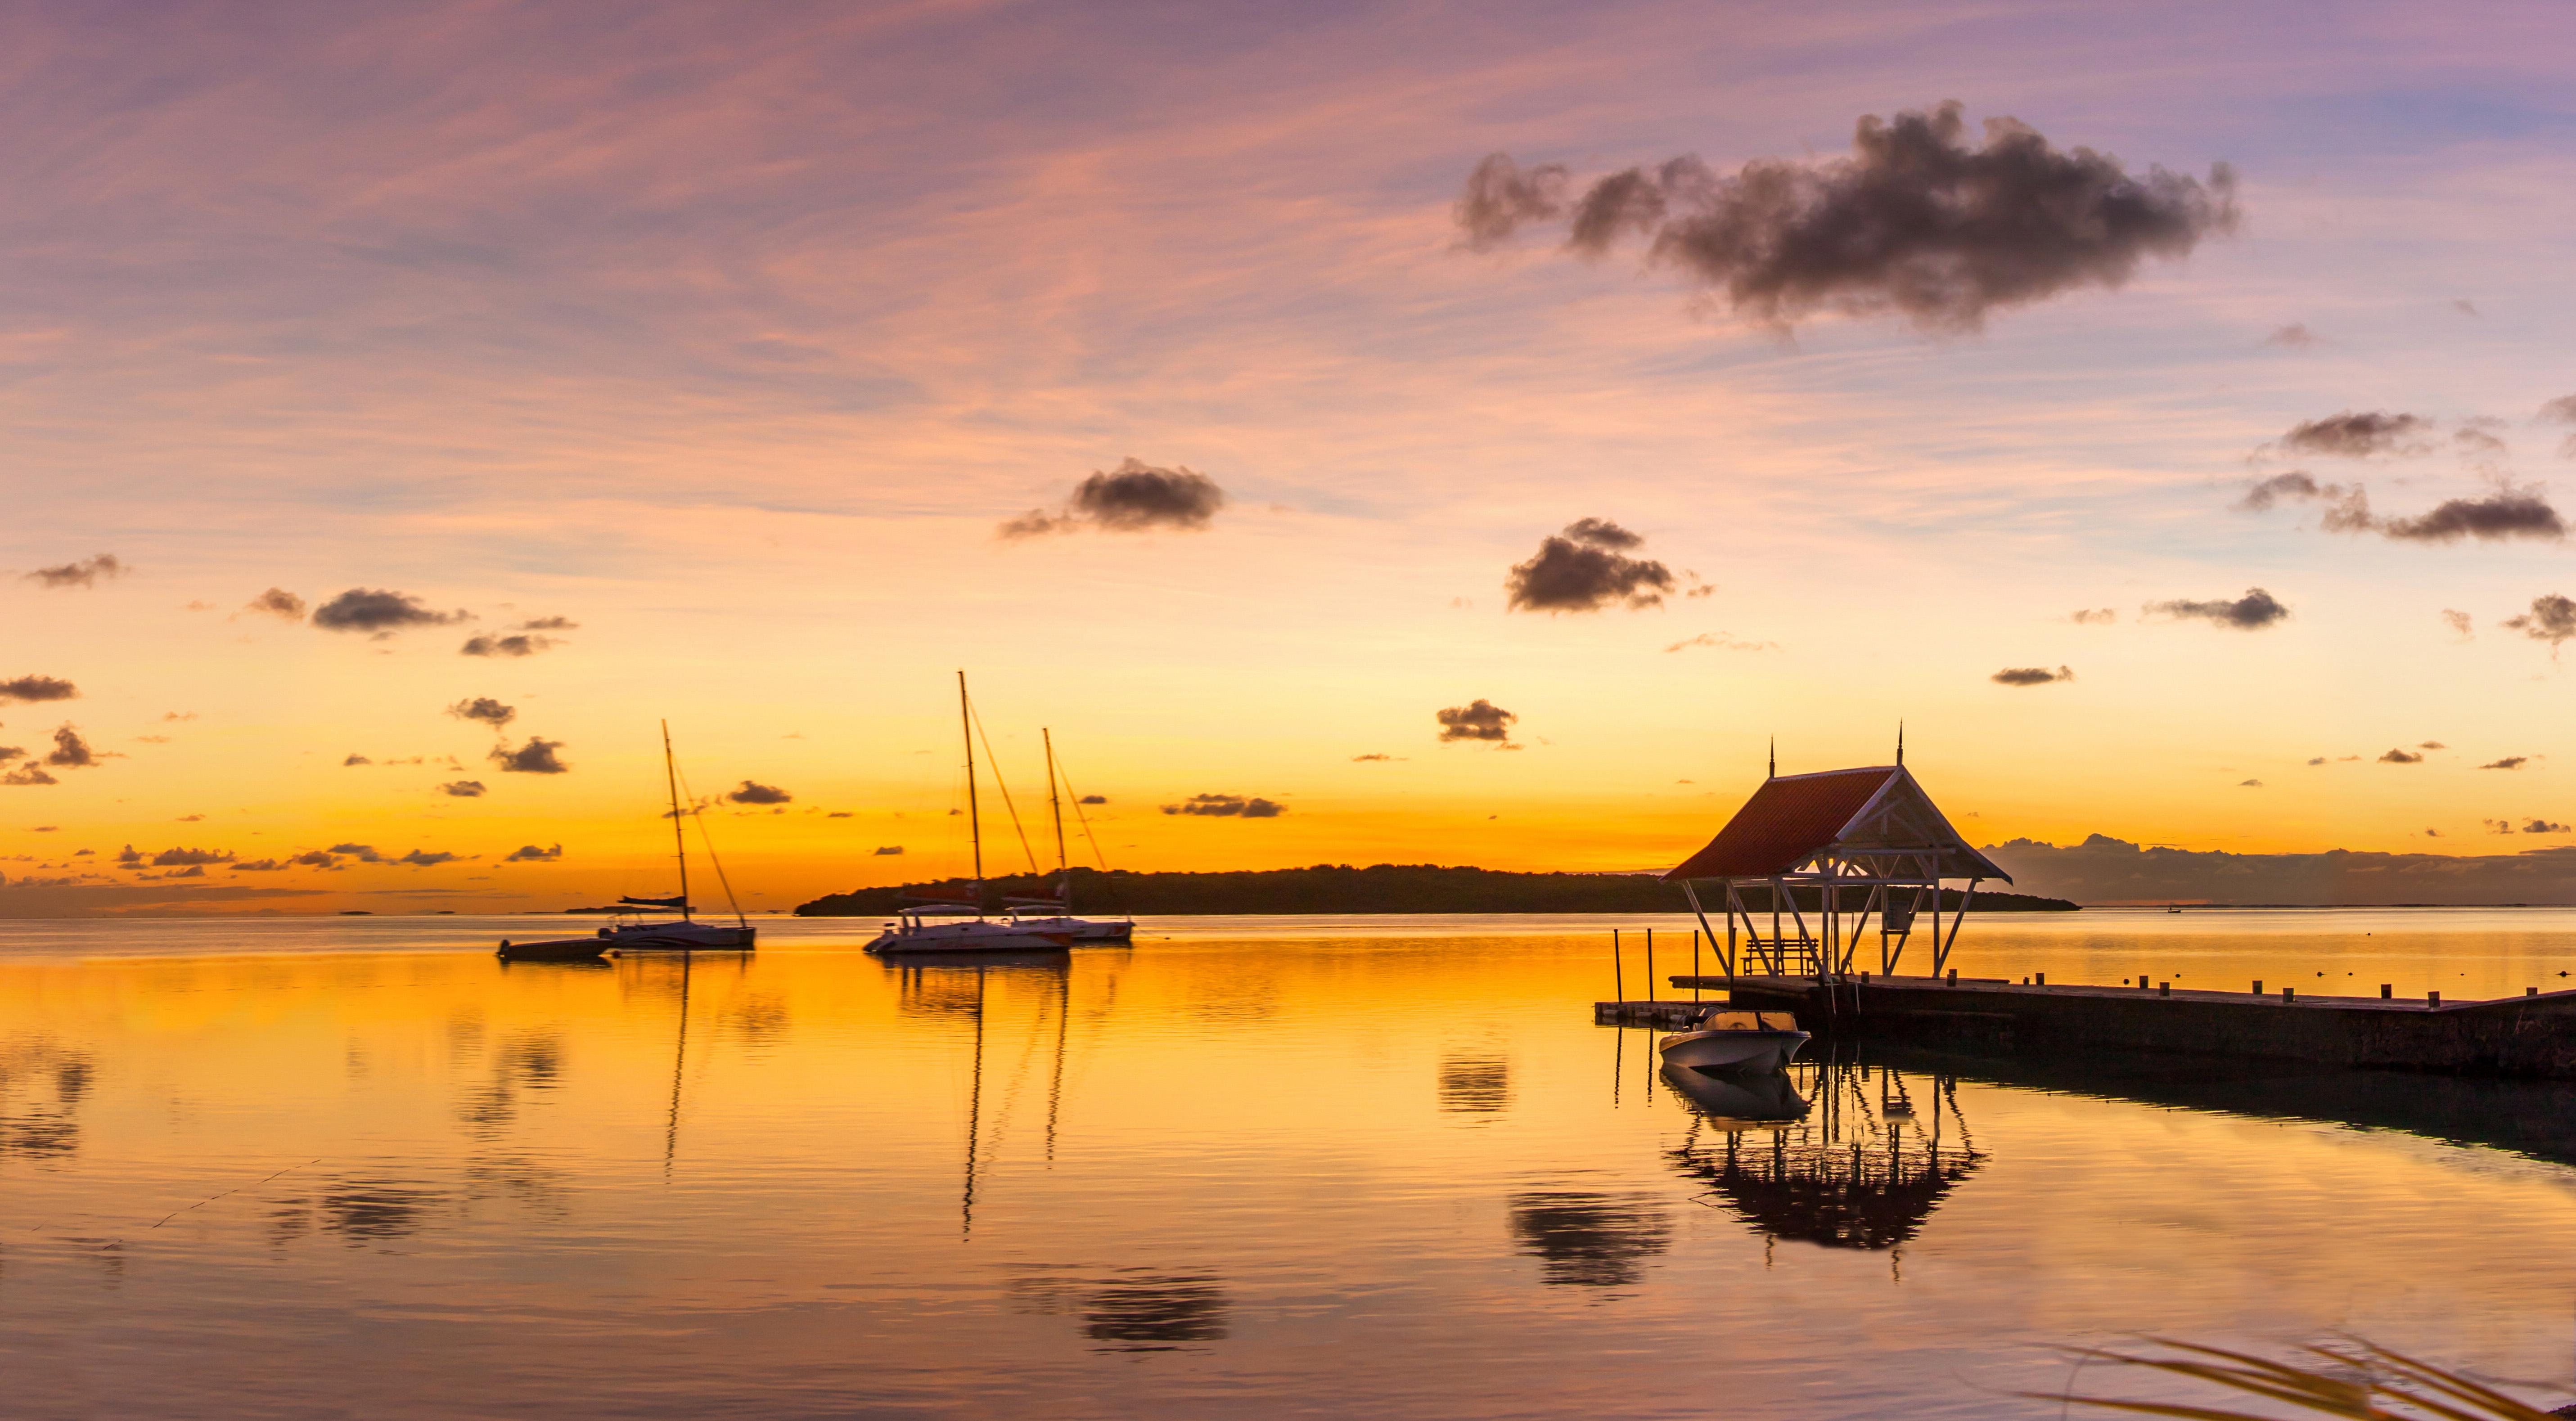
{"x": 1340, "y": 888}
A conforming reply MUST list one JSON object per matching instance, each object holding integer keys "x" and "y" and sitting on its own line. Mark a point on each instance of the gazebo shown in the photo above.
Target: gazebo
{"x": 1846, "y": 845}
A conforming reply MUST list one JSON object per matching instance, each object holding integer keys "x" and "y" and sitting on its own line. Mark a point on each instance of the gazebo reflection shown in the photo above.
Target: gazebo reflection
{"x": 1835, "y": 1152}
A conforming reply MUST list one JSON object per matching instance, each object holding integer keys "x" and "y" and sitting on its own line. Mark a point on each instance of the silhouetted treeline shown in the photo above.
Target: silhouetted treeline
{"x": 1340, "y": 888}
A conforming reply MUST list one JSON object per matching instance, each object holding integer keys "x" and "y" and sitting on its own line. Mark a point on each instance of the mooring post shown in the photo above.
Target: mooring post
{"x": 2258, "y": 986}
{"x": 1954, "y": 976}
{"x": 1618, "y": 978}
{"x": 2386, "y": 990}
{"x": 2289, "y": 995}
{"x": 1695, "y": 965}
{"x": 1651, "y": 992}
{"x": 2164, "y": 989}
{"x": 2432, "y": 999}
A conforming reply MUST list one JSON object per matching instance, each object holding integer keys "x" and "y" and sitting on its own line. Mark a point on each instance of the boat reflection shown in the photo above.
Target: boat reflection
{"x": 42, "y": 1085}
{"x": 1585, "y": 1238}
{"x": 1131, "y": 1309}
{"x": 1862, "y": 1167}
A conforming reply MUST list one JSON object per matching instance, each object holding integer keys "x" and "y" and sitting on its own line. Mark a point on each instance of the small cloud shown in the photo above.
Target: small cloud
{"x": 537, "y": 757}
{"x": 152, "y": 739}
{"x": 2552, "y": 619}
{"x": 462, "y": 789}
{"x": 530, "y": 853}
{"x": 1093, "y": 799}
{"x": 355, "y": 760}
{"x": 1135, "y": 497}
{"x": 44, "y": 829}
{"x": 262, "y": 866}
{"x": 426, "y": 858}
{"x": 2543, "y": 826}
{"x": 838, "y": 814}
{"x": 1585, "y": 569}
{"x": 550, "y": 624}
{"x": 2401, "y": 757}
{"x": 1479, "y": 719}
{"x": 754, "y": 792}
{"x": 363, "y": 609}
{"x": 129, "y": 856}
{"x": 2506, "y": 513}
{"x": 37, "y": 688}
{"x": 2432, "y": 745}
{"x": 2294, "y": 336}
{"x": 514, "y": 645}
{"x": 2030, "y": 676}
{"x": 363, "y": 853}
{"x": 1364, "y": 759}
{"x": 175, "y": 858}
{"x": 277, "y": 602}
{"x": 2360, "y": 434}
{"x": 1228, "y": 806}
{"x": 2092, "y": 616}
{"x": 2460, "y": 624}
{"x": 2509, "y": 762}
{"x": 1723, "y": 641}
{"x": 484, "y": 710}
{"x": 885, "y": 849}
{"x": 70, "y": 751}
{"x": 191, "y": 818}
{"x": 2432, "y": 833}
{"x": 84, "y": 573}
{"x": 2253, "y": 611}
{"x": 2249, "y": 784}
{"x": 178, "y": 715}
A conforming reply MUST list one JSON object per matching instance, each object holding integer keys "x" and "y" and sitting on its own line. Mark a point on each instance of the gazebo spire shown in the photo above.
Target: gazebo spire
{"x": 1900, "y": 742}
{"x": 1773, "y": 771}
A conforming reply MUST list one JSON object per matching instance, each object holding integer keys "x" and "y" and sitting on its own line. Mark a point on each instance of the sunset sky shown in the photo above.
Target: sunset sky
{"x": 721, "y": 356}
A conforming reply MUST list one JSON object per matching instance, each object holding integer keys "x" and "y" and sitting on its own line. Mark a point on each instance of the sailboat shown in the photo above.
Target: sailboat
{"x": 1055, "y": 915}
{"x": 634, "y": 931}
{"x": 914, "y": 929}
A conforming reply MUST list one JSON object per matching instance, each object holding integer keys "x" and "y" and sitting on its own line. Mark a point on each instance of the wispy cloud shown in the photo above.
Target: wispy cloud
{"x": 1228, "y": 806}
{"x": 2252, "y": 612}
{"x": 86, "y": 572}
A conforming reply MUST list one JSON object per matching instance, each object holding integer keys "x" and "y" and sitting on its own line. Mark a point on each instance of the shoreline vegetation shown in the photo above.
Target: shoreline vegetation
{"x": 1340, "y": 888}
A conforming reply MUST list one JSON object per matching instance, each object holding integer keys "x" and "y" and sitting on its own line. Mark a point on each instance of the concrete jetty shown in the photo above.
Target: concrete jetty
{"x": 2531, "y": 1036}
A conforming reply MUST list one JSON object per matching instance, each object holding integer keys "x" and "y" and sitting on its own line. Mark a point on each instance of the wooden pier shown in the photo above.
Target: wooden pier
{"x": 1664, "y": 1016}
{"x": 2532, "y": 1035}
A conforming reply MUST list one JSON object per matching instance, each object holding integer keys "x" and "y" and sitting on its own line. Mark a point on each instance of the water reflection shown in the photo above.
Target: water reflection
{"x": 1131, "y": 1309}
{"x": 42, "y": 1085}
{"x": 1589, "y": 1239}
{"x": 359, "y": 1211}
{"x": 1475, "y": 1085}
{"x": 1863, "y": 1169}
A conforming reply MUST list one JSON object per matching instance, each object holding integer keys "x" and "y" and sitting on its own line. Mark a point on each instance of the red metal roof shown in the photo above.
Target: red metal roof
{"x": 1784, "y": 822}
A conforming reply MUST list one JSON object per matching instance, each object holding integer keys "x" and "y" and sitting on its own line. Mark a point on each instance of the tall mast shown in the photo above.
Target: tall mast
{"x": 1055, "y": 804}
{"x": 974, "y": 823}
{"x": 679, "y": 840}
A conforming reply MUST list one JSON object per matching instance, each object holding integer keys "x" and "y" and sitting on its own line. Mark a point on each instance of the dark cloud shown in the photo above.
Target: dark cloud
{"x": 427, "y": 858}
{"x": 70, "y": 751}
{"x": 362, "y": 609}
{"x": 537, "y": 757}
{"x": 2552, "y": 619}
{"x": 513, "y": 645}
{"x": 485, "y": 710}
{"x": 462, "y": 789}
{"x": 2432, "y": 745}
{"x": 355, "y": 760}
{"x": 1502, "y": 197}
{"x": 530, "y": 853}
{"x": 2401, "y": 757}
{"x": 2509, "y": 762}
{"x": 2263, "y": 493}
{"x": 2542, "y": 826}
{"x": 277, "y": 602}
{"x": 1479, "y": 719}
{"x": 1135, "y": 497}
{"x": 84, "y": 573}
{"x": 37, "y": 688}
{"x": 2294, "y": 336}
{"x": 2360, "y": 434}
{"x": 1917, "y": 221}
{"x": 835, "y": 814}
{"x": 2460, "y": 623}
{"x": 1093, "y": 799}
{"x": 2092, "y": 616}
{"x": 262, "y": 866}
{"x": 2506, "y": 513}
{"x": 2249, "y": 784}
{"x": 889, "y": 849}
{"x": 754, "y": 792}
{"x": 129, "y": 856}
{"x": 550, "y": 624}
{"x": 177, "y": 858}
{"x": 2255, "y": 610}
{"x": 1228, "y": 806}
{"x": 2030, "y": 676}
{"x": 363, "y": 853}
{"x": 29, "y": 773}
{"x": 1365, "y": 759}
{"x": 317, "y": 858}
{"x": 1585, "y": 569}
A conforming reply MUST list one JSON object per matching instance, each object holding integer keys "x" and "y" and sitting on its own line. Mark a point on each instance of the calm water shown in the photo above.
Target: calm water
{"x": 355, "y": 1167}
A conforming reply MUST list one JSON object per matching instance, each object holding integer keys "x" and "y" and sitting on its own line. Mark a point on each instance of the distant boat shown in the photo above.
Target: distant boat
{"x": 1739, "y": 1043}
{"x": 641, "y": 934}
{"x": 1054, "y": 916}
{"x": 914, "y": 929}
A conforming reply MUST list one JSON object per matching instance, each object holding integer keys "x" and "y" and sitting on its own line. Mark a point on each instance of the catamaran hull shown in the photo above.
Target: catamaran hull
{"x": 1080, "y": 932}
{"x": 962, "y": 937}
{"x": 1734, "y": 1052}
{"x": 694, "y": 937}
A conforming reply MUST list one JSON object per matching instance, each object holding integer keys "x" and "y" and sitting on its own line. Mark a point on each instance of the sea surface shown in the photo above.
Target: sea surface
{"x": 290, "y": 1168}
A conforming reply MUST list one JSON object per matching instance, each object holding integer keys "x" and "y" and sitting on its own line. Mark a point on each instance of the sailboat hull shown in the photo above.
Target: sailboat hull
{"x": 680, "y": 937}
{"x": 1079, "y": 932}
{"x": 912, "y": 938}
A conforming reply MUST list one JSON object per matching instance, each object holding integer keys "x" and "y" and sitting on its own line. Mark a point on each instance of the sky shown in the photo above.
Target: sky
{"x": 1159, "y": 367}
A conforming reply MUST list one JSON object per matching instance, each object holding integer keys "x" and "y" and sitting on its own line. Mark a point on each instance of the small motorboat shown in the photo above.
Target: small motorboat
{"x": 564, "y": 949}
{"x": 1735, "y": 1043}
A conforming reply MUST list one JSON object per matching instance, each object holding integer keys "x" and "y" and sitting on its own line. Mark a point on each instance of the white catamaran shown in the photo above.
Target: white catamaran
{"x": 942, "y": 925}
{"x": 1054, "y": 915}
{"x": 634, "y": 931}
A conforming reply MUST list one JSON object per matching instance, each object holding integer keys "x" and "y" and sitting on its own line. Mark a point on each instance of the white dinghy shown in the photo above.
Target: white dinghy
{"x": 1735, "y": 1043}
